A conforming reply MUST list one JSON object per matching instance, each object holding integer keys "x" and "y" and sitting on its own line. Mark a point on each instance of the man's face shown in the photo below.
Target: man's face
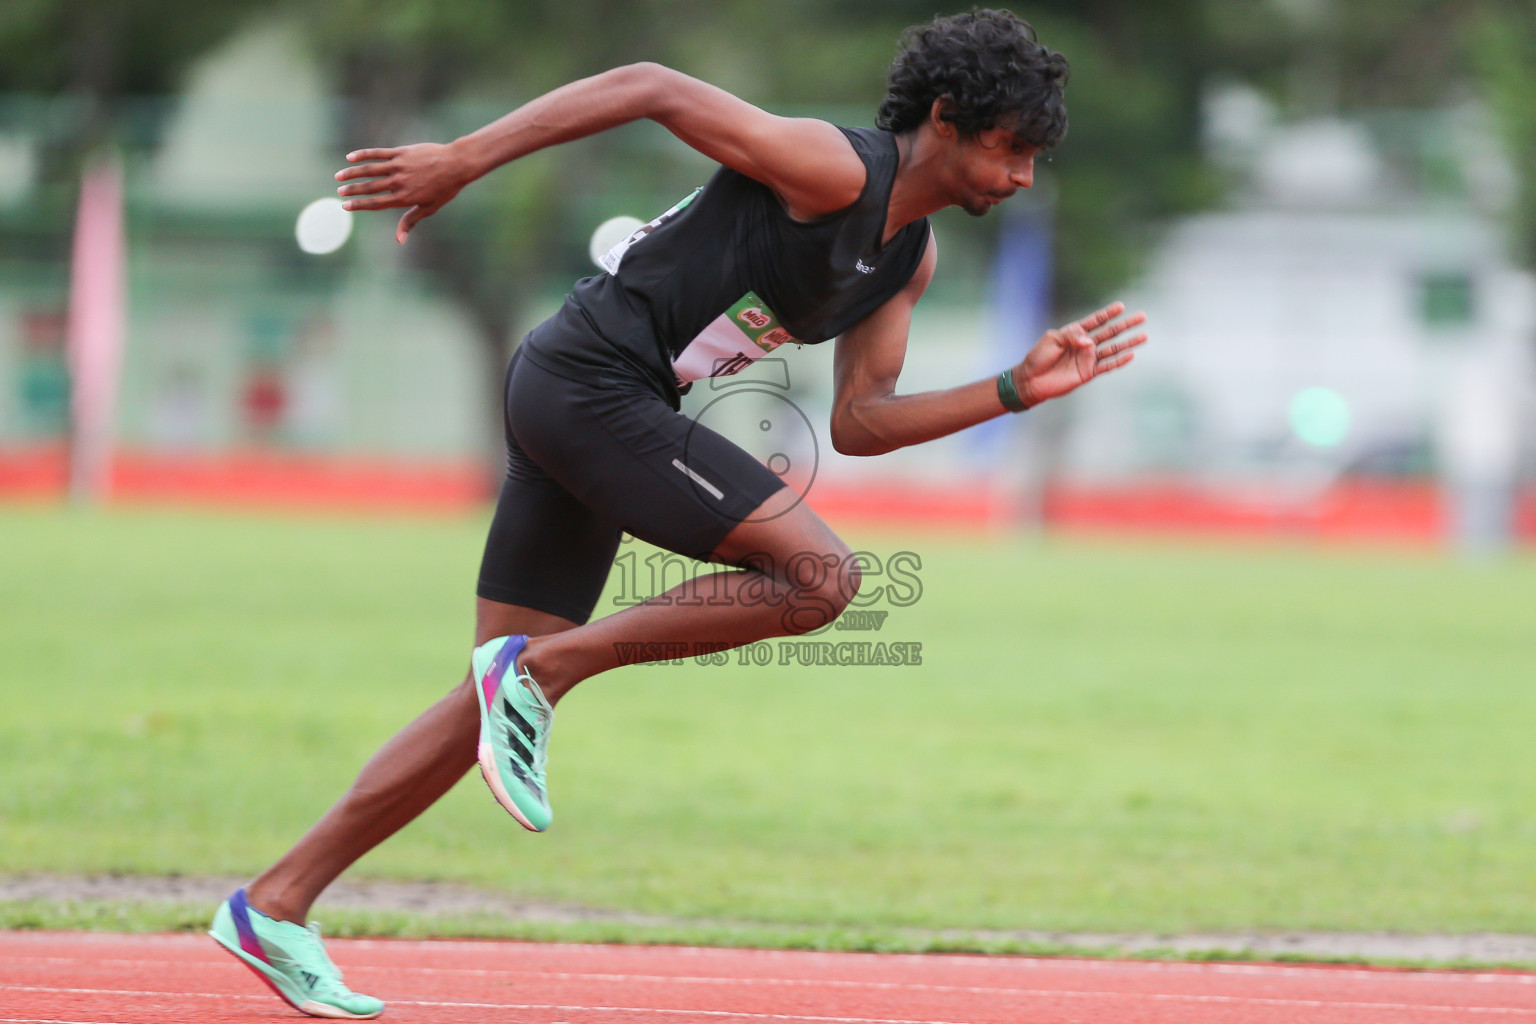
{"x": 991, "y": 167}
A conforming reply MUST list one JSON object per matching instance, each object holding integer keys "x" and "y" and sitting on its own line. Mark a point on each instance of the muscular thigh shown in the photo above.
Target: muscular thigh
{"x": 545, "y": 550}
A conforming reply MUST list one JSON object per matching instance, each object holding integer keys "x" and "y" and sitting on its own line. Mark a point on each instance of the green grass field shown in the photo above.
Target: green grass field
{"x": 1147, "y": 736}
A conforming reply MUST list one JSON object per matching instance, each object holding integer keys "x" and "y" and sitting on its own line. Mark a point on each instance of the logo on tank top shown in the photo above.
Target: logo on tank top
{"x": 862, "y": 267}
{"x": 754, "y": 317}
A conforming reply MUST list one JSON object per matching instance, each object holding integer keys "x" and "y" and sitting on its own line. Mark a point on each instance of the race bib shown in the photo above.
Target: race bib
{"x": 731, "y": 341}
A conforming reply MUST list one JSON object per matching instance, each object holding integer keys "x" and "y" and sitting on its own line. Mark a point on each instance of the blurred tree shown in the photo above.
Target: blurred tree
{"x": 397, "y": 61}
{"x": 1331, "y": 56}
{"x": 1132, "y": 157}
{"x": 102, "y": 51}
{"x": 99, "y": 53}
{"x": 1321, "y": 56}
{"x": 1505, "y": 50}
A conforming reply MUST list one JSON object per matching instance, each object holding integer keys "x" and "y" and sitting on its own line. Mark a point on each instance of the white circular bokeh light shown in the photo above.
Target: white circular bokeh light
{"x": 323, "y": 226}
{"x": 610, "y": 233}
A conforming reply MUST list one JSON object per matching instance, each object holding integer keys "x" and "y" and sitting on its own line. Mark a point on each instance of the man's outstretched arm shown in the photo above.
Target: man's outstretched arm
{"x": 869, "y": 418}
{"x": 808, "y": 163}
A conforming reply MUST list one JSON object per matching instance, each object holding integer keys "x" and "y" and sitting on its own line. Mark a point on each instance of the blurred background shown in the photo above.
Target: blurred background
{"x": 1328, "y": 211}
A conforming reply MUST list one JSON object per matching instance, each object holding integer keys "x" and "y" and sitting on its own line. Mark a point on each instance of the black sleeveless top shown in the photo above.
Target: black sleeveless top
{"x": 725, "y": 276}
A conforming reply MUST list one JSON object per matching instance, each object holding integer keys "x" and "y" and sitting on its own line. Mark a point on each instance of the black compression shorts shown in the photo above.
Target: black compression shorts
{"x": 588, "y": 460}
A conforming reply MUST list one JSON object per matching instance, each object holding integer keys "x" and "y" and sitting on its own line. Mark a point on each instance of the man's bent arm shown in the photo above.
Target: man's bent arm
{"x": 869, "y": 418}
{"x": 807, "y": 162}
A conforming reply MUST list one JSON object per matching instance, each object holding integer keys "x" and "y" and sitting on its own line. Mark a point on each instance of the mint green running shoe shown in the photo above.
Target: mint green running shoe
{"x": 291, "y": 959}
{"x": 514, "y": 731}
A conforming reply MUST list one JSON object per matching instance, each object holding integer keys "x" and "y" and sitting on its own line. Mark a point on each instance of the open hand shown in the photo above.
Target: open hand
{"x": 423, "y": 178}
{"x": 1070, "y": 356}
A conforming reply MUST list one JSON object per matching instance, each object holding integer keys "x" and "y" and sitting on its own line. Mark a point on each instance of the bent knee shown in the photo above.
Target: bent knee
{"x": 820, "y": 586}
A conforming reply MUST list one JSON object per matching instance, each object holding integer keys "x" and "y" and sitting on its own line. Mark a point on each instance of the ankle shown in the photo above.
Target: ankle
{"x": 553, "y": 683}
{"x": 273, "y": 906}
{"x": 537, "y": 662}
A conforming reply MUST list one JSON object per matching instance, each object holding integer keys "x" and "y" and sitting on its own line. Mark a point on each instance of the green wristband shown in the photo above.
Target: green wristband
{"x": 1008, "y": 394}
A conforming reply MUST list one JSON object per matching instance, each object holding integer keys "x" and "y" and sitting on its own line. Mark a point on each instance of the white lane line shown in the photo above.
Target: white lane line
{"x": 1001, "y": 961}
{"x": 484, "y": 972}
{"x": 664, "y": 979}
{"x": 1442, "y": 976}
{"x": 1044, "y": 993}
{"x": 707, "y": 980}
{"x": 1011, "y": 961}
{"x": 562, "y": 1007}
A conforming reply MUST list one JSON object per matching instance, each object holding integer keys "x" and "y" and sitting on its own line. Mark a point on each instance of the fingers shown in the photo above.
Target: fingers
{"x": 1107, "y": 365}
{"x": 372, "y": 178}
{"x": 1103, "y": 316}
{"x": 373, "y": 154}
{"x": 380, "y": 183}
{"x": 378, "y": 202}
{"x": 1106, "y": 351}
{"x": 372, "y": 170}
{"x": 1112, "y": 357}
{"x": 373, "y": 186}
{"x": 368, "y": 163}
{"x": 412, "y": 217}
{"x": 1075, "y": 336}
{"x": 1108, "y": 331}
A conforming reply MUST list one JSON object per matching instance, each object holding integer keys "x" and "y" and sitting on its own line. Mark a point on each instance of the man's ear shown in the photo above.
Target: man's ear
{"x": 936, "y": 119}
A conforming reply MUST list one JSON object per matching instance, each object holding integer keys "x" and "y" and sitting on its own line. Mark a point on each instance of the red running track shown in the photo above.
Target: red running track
{"x": 50, "y": 978}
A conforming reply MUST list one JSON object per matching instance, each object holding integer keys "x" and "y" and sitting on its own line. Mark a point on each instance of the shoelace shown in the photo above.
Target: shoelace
{"x": 541, "y": 734}
{"x": 315, "y": 956}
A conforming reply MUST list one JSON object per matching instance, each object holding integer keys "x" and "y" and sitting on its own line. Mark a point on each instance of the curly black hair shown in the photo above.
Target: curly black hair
{"x": 993, "y": 71}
